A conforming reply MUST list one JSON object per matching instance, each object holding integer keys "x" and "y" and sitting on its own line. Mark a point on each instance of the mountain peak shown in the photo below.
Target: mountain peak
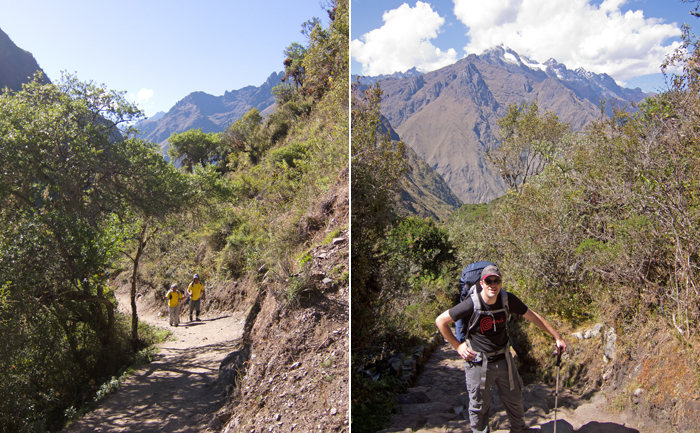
{"x": 17, "y": 66}
{"x": 367, "y": 81}
{"x": 603, "y": 84}
{"x": 274, "y": 79}
{"x": 157, "y": 116}
{"x": 449, "y": 116}
{"x": 208, "y": 112}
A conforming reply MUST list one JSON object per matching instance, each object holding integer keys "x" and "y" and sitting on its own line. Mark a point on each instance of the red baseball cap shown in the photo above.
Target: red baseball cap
{"x": 489, "y": 271}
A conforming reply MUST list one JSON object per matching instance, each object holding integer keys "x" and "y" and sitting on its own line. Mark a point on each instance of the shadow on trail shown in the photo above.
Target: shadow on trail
{"x": 216, "y": 318}
{"x": 175, "y": 393}
{"x": 173, "y": 405}
{"x": 189, "y": 324}
{"x": 592, "y": 427}
{"x": 187, "y": 360}
{"x": 193, "y": 324}
{"x": 605, "y": 427}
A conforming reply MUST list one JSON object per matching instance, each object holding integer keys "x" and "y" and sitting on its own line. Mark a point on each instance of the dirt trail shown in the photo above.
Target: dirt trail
{"x": 438, "y": 401}
{"x": 175, "y": 393}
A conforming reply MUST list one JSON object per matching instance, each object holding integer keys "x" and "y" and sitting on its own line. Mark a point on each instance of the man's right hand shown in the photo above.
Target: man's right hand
{"x": 465, "y": 352}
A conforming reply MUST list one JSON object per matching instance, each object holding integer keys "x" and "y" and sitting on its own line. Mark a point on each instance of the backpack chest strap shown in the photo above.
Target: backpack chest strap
{"x": 480, "y": 311}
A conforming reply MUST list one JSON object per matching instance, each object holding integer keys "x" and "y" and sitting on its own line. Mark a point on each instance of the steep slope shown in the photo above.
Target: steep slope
{"x": 449, "y": 115}
{"x": 423, "y": 192}
{"x": 17, "y": 66}
{"x": 295, "y": 355}
{"x": 211, "y": 113}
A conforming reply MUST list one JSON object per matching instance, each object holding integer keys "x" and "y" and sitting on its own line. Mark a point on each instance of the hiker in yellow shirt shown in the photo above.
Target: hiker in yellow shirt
{"x": 196, "y": 292}
{"x": 173, "y": 298}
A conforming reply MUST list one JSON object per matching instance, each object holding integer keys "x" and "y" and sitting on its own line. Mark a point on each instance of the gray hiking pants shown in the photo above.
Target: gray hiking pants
{"x": 194, "y": 306}
{"x": 174, "y": 313}
{"x": 480, "y": 399}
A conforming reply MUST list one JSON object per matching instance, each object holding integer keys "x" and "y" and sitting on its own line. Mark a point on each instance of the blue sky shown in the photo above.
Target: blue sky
{"x": 627, "y": 39}
{"x": 159, "y": 51}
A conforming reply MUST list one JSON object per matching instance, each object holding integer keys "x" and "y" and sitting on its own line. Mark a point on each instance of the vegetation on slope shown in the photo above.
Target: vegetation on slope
{"x": 71, "y": 188}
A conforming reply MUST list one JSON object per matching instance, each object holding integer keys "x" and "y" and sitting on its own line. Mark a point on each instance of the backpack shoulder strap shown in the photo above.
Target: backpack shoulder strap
{"x": 476, "y": 301}
{"x": 504, "y": 303}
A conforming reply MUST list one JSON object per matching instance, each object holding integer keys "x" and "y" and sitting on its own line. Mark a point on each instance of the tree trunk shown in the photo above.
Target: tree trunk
{"x": 134, "y": 315}
{"x": 143, "y": 239}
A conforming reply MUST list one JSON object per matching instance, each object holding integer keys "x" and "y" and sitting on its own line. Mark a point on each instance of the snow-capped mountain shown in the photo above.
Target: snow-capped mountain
{"x": 448, "y": 116}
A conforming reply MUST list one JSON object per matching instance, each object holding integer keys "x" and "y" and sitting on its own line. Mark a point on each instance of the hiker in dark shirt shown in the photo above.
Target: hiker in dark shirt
{"x": 486, "y": 351}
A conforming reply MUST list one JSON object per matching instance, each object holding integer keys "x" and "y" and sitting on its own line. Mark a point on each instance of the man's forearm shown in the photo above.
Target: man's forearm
{"x": 545, "y": 326}
{"x": 541, "y": 323}
{"x": 443, "y": 323}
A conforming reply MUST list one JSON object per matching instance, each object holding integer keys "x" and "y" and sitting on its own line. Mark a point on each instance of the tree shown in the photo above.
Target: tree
{"x": 527, "y": 141}
{"x": 418, "y": 246}
{"x": 694, "y": 12}
{"x": 245, "y": 135}
{"x": 326, "y": 61}
{"x": 68, "y": 178}
{"x": 67, "y": 169}
{"x": 293, "y": 63}
{"x": 196, "y": 147}
{"x": 377, "y": 166}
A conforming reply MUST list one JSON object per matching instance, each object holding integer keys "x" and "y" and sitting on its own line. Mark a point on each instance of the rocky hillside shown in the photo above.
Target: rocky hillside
{"x": 447, "y": 116}
{"x": 422, "y": 192}
{"x": 208, "y": 112}
{"x": 17, "y": 66}
{"x": 290, "y": 372}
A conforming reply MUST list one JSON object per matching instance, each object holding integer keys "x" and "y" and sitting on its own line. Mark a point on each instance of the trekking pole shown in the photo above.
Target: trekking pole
{"x": 556, "y": 389}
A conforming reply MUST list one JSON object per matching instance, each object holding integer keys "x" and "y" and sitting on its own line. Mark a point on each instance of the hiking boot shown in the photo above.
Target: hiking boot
{"x": 198, "y": 319}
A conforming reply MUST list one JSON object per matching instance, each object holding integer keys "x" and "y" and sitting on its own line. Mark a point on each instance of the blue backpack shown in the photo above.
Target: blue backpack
{"x": 467, "y": 281}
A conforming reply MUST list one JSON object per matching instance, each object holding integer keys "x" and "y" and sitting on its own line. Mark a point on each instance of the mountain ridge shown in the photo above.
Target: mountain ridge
{"x": 208, "y": 112}
{"x": 449, "y": 116}
{"x": 17, "y": 66}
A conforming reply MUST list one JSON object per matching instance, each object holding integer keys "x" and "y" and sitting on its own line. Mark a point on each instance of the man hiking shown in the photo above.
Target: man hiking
{"x": 486, "y": 351}
{"x": 173, "y": 297}
{"x": 196, "y": 293}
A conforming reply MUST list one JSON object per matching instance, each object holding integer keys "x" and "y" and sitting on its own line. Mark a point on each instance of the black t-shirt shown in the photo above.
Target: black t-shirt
{"x": 490, "y": 334}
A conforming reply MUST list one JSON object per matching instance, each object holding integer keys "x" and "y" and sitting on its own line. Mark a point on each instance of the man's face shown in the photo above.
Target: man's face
{"x": 196, "y": 280}
{"x": 492, "y": 284}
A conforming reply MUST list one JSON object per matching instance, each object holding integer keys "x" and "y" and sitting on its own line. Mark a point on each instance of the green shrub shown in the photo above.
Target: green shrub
{"x": 418, "y": 247}
{"x": 289, "y": 156}
{"x": 373, "y": 402}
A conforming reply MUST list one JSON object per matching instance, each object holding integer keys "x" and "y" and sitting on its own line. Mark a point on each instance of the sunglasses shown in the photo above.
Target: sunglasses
{"x": 492, "y": 281}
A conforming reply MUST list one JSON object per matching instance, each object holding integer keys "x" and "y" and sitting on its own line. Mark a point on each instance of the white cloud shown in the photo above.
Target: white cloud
{"x": 144, "y": 95}
{"x": 577, "y": 33}
{"x": 403, "y": 42}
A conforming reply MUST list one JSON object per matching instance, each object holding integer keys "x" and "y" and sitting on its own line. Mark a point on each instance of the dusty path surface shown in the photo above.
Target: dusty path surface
{"x": 438, "y": 401}
{"x": 175, "y": 393}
